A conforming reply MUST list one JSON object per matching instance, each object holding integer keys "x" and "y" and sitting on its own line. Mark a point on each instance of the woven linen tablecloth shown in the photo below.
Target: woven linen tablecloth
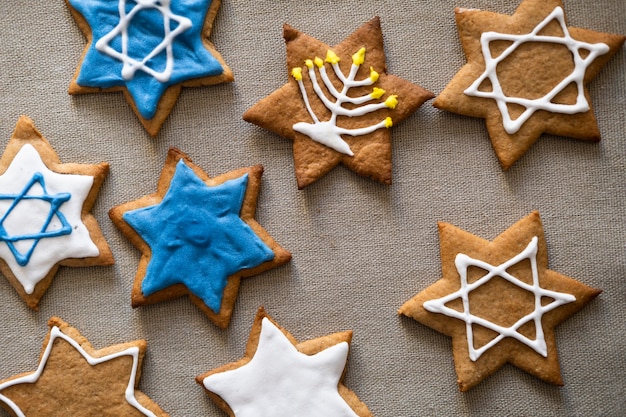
{"x": 360, "y": 249}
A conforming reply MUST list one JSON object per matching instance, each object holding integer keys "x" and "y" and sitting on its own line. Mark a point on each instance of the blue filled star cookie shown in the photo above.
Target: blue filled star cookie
{"x": 198, "y": 236}
{"x": 527, "y": 74}
{"x": 45, "y": 213}
{"x": 148, "y": 49}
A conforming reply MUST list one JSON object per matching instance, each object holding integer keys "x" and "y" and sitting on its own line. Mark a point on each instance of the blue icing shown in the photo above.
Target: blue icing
{"x": 197, "y": 237}
{"x": 145, "y": 32}
{"x": 55, "y": 201}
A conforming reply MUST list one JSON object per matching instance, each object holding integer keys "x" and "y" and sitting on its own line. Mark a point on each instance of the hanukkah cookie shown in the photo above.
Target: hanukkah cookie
{"x": 338, "y": 105}
{"x": 45, "y": 213}
{"x": 280, "y": 377}
{"x": 499, "y": 302}
{"x": 198, "y": 236}
{"x": 148, "y": 50}
{"x": 74, "y": 379}
{"x": 527, "y": 74}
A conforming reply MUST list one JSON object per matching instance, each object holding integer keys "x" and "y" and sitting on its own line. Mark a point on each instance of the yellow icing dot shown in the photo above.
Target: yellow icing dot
{"x": 388, "y": 122}
{"x": 373, "y": 75}
{"x": 391, "y": 102}
{"x": 319, "y": 62}
{"x": 359, "y": 57}
{"x": 331, "y": 57}
{"x": 297, "y": 73}
{"x": 308, "y": 63}
{"x": 377, "y": 92}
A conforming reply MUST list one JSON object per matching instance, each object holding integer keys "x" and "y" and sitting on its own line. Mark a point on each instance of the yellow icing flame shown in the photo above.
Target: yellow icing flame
{"x": 388, "y": 122}
{"x": 359, "y": 57}
{"x": 297, "y": 73}
{"x": 308, "y": 63}
{"x": 377, "y": 92}
{"x": 373, "y": 75}
{"x": 391, "y": 102}
{"x": 331, "y": 57}
{"x": 318, "y": 61}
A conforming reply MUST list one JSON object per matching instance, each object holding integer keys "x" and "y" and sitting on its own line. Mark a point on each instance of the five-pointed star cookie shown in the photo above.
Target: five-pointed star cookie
{"x": 45, "y": 218}
{"x": 338, "y": 104}
{"x": 499, "y": 302}
{"x": 280, "y": 377}
{"x": 148, "y": 49}
{"x": 198, "y": 236}
{"x": 526, "y": 74}
{"x": 74, "y": 379}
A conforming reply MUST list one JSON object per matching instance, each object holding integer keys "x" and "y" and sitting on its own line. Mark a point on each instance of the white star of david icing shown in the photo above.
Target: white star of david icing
{"x": 55, "y": 333}
{"x": 28, "y": 216}
{"x": 130, "y": 65}
{"x": 543, "y": 103}
{"x": 463, "y": 262}
{"x": 280, "y": 381}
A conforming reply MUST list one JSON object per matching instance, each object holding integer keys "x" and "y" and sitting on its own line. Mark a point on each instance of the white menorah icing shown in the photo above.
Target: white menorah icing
{"x": 327, "y": 132}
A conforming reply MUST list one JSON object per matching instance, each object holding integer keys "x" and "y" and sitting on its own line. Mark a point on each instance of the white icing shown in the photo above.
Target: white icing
{"x": 280, "y": 381}
{"x": 327, "y": 132}
{"x": 463, "y": 262}
{"x": 543, "y": 103}
{"x": 130, "y": 65}
{"x": 55, "y": 333}
{"x": 30, "y": 214}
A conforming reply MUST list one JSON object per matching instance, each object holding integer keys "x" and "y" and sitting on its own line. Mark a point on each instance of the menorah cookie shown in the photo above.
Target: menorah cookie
{"x": 198, "y": 237}
{"x": 338, "y": 105}
{"x": 149, "y": 50}
{"x": 74, "y": 379}
{"x": 45, "y": 213}
{"x": 526, "y": 74}
{"x": 280, "y": 377}
{"x": 499, "y": 302}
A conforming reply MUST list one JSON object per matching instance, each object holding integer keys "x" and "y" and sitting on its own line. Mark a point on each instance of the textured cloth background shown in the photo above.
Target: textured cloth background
{"x": 360, "y": 249}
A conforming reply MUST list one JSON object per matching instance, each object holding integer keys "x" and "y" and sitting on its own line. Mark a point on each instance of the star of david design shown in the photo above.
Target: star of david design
{"x": 543, "y": 103}
{"x": 132, "y": 65}
{"x": 55, "y": 202}
{"x": 463, "y": 262}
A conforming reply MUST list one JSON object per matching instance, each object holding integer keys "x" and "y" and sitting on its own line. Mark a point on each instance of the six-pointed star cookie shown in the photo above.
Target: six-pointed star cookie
{"x": 526, "y": 74}
{"x": 198, "y": 236}
{"x": 148, "y": 49}
{"x": 74, "y": 379}
{"x": 279, "y": 377}
{"x": 338, "y": 104}
{"x": 45, "y": 218}
{"x": 499, "y": 302}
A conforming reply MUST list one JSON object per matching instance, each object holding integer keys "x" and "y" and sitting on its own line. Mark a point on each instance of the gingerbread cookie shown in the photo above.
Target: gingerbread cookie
{"x": 280, "y": 377}
{"x": 499, "y": 302}
{"x": 149, "y": 50}
{"x": 338, "y": 104}
{"x": 45, "y": 218}
{"x": 526, "y": 74}
{"x": 198, "y": 236}
{"x": 74, "y": 379}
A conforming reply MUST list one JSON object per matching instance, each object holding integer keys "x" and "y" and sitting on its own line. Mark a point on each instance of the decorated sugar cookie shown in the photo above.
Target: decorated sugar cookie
{"x": 499, "y": 302}
{"x": 527, "y": 74}
{"x": 338, "y": 105}
{"x": 198, "y": 236}
{"x": 45, "y": 218}
{"x": 280, "y": 377}
{"x": 74, "y": 379}
{"x": 148, "y": 49}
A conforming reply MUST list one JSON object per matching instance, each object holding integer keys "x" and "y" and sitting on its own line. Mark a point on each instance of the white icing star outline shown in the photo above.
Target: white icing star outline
{"x": 543, "y": 103}
{"x": 130, "y": 65}
{"x": 462, "y": 263}
{"x": 55, "y": 333}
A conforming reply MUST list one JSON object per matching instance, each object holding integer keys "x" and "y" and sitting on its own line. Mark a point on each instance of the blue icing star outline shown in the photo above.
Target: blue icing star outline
{"x": 56, "y": 201}
{"x": 145, "y": 33}
{"x": 197, "y": 237}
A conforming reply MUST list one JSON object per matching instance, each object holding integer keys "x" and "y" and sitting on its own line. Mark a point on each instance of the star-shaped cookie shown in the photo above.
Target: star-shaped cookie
{"x": 338, "y": 105}
{"x": 526, "y": 74}
{"x": 74, "y": 379}
{"x": 499, "y": 302}
{"x": 198, "y": 236}
{"x": 149, "y": 50}
{"x": 45, "y": 213}
{"x": 280, "y": 377}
